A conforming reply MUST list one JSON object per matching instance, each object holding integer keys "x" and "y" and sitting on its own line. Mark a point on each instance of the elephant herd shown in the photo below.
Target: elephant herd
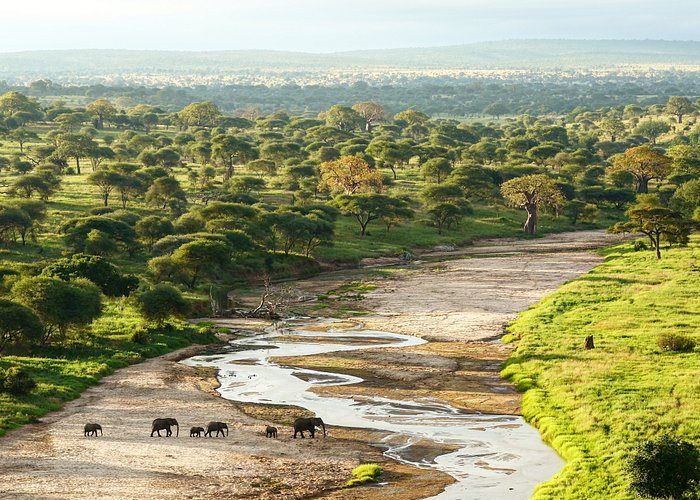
{"x": 301, "y": 425}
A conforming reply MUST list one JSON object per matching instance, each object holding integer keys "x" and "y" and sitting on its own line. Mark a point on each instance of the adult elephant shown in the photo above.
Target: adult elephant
{"x": 219, "y": 427}
{"x": 308, "y": 424}
{"x": 165, "y": 424}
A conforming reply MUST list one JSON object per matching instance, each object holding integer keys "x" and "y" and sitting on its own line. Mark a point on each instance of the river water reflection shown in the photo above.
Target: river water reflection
{"x": 496, "y": 457}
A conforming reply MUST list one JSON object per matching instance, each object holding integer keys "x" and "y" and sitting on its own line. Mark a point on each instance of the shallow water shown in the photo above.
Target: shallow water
{"x": 499, "y": 456}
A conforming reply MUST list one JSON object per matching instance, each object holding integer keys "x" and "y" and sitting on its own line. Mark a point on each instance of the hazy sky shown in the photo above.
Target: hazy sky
{"x": 330, "y": 25}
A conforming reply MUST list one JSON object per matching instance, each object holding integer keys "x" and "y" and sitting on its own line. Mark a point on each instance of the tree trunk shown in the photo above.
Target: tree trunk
{"x": 530, "y": 226}
{"x": 77, "y": 164}
{"x": 588, "y": 344}
{"x": 643, "y": 185}
{"x": 657, "y": 246}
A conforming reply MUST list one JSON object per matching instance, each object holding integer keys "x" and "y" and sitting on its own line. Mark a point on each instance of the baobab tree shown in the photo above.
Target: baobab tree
{"x": 532, "y": 193}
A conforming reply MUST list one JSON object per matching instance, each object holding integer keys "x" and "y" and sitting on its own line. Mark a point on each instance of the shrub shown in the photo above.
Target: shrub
{"x": 16, "y": 381}
{"x": 365, "y": 473}
{"x": 141, "y": 337}
{"x": 665, "y": 468}
{"x": 640, "y": 245}
{"x": 675, "y": 342}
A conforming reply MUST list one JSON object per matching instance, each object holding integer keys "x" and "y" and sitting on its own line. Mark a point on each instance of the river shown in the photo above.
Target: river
{"x": 496, "y": 457}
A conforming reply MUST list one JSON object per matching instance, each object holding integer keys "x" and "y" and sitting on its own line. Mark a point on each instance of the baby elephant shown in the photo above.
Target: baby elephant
{"x": 91, "y": 430}
{"x": 271, "y": 432}
{"x": 219, "y": 427}
{"x": 196, "y": 431}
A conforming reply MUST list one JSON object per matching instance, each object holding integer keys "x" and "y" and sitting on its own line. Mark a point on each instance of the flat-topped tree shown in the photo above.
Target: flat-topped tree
{"x": 532, "y": 193}
{"x": 349, "y": 175}
{"x": 650, "y": 217}
{"x": 644, "y": 164}
{"x": 367, "y": 207}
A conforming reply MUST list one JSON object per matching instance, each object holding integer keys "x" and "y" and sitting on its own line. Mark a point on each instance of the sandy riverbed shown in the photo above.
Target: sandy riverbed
{"x": 460, "y": 305}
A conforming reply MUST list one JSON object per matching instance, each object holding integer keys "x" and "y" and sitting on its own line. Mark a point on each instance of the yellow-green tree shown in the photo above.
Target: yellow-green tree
{"x": 532, "y": 193}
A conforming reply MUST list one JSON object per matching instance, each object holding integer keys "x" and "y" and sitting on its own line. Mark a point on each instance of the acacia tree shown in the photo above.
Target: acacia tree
{"x": 75, "y": 146}
{"x": 652, "y": 129}
{"x": 532, "y": 193}
{"x": 648, "y": 216}
{"x": 349, "y": 175}
{"x": 201, "y": 256}
{"x": 371, "y": 206}
{"x": 436, "y": 169}
{"x": 644, "y": 164}
{"x": 22, "y": 136}
{"x": 229, "y": 150}
{"x": 106, "y": 181}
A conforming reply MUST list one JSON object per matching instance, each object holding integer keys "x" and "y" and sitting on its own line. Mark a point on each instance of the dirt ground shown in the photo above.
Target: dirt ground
{"x": 460, "y": 305}
{"x": 53, "y": 459}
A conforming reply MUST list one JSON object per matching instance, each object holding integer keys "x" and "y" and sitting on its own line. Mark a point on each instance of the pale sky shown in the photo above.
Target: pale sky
{"x": 331, "y": 25}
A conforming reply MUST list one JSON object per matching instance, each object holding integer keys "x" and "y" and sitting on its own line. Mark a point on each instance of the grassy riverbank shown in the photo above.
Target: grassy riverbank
{"x": 595, "y": 406}
{"x": 63, "y": 372}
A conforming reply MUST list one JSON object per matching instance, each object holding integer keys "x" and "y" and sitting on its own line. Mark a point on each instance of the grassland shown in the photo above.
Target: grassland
{"x": 595, "y": 406}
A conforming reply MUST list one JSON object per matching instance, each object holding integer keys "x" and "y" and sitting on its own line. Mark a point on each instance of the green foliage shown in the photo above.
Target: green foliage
{"x": 675, "y": 342}
{"x": 365, "y": 473}
{"x": 16, "y": 381}
{"x": 666, "y": 467}
{"x": 161, "y": 303}
{"x": 595, "y": 407}
{"x": 97, "y": 269}
{"x": 61, "y": 305}
{"x": 19, "y": 326}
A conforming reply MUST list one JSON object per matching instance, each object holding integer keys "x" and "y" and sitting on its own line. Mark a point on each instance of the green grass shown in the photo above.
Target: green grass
{"x": 63, "y": 372}
{"x": 365, "y": 473}
{"x": 595, "y": 406}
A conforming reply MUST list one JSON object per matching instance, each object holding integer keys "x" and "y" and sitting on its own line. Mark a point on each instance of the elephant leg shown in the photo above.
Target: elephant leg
{"x": 312, "y": 432}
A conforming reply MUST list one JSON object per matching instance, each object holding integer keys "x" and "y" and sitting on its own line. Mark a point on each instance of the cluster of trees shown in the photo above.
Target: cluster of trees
{"x": 497, "y": 94}
{"x": 197, "y": 196}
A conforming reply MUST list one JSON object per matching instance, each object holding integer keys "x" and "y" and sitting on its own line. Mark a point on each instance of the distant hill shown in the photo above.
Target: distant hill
{"x": 187, "y": 68}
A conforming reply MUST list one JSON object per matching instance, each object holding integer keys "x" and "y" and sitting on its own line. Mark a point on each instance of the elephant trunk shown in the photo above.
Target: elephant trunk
{"x": 324, "y": 428}
{"x": 177, "y": 430}
{"x": 101, "y": 434}
{"x": 226, "y": 431}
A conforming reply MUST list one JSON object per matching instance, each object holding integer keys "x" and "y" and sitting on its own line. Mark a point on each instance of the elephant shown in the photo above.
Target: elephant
{"x": 219, "y": 427}
{"x": 271, "y": 432}
{"x": 160, "y": 424}
{"x": 91, "y": 430}
{"x": 308, "y": 424}
{"x": 196, "y": 431}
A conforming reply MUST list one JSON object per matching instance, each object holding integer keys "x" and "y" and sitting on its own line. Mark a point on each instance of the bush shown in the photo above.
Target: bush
{"x": 141, "y": 337}
{"x": 640, "y": 245}
{"x": 676, "y": 343}
{"x": 16, "y": 381}
{"x": 665, "y": 468}
{"x": 365, "y": 473}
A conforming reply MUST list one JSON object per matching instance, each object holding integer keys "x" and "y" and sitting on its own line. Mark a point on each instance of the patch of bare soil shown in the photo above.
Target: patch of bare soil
{"x": 462, "y": 307}
{"x": 52, "y": 459}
